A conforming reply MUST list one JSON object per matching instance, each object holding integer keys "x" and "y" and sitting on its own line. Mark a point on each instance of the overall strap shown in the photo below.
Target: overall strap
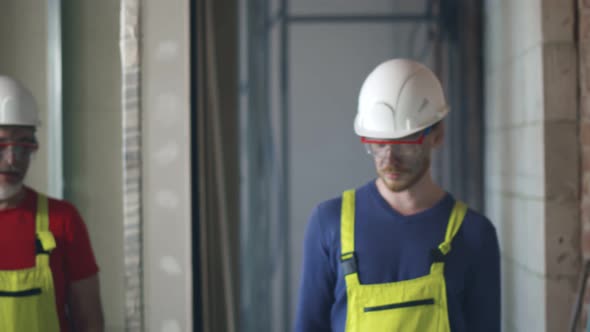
{"x": 347, "y": 255}
{"x": 44, "y": 236}
{"x": 455, "y": 221}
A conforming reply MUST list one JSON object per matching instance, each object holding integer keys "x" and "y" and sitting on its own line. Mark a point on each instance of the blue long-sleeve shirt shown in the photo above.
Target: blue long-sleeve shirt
{"x": 391, "y": 247}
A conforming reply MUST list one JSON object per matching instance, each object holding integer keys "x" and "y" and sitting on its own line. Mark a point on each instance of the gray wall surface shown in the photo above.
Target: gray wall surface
{"x": 92, "y": 139}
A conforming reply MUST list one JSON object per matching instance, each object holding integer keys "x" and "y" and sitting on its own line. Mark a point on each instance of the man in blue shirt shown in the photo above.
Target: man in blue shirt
{"x": 400, "y": 253}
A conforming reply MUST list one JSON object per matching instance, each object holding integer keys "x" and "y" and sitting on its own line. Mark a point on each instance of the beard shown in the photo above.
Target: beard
{"x": 407, "y": 176}
{"x": 12, "y": 187}
{"x": 9, "y": 190}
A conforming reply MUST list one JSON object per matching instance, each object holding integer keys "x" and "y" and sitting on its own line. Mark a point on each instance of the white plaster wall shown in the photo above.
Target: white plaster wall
{"x": 166, "y": 152}
{"x": 515, "y": 190}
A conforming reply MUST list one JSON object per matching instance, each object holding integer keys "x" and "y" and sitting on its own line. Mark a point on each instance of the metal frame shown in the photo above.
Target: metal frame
{"x": 284, "y": 172}
{"x": 350, "y": 18}
{"x": 196, "y": 25}
{"x": 575, "y": 318}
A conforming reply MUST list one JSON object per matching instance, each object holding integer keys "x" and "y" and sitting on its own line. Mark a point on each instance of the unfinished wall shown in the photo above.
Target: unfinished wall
{"x": 94, "y": 165}
{"x": 532, "y": 158}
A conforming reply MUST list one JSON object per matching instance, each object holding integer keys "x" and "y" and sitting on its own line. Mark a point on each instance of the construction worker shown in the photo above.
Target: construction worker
{"x": 48, "y": 273}
{"x": 399, "y": 253}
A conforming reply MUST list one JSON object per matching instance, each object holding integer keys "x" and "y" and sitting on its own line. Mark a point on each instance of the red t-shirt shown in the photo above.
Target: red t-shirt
{"x": 70, "y": 261}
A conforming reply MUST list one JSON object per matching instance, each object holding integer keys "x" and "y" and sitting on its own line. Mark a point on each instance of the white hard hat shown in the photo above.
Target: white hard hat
{"x": 17, "y": 104}
{"x": 399, "y": 98}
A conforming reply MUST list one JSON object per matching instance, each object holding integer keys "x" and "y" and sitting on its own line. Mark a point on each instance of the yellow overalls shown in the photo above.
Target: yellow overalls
{"x": 415, "y": 305}
{"x": 27, "y": 299}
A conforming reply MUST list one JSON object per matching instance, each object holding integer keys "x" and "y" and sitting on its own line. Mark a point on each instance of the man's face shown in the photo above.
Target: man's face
{"x": 16, "y": 147}
{"x": 401, "y": 166}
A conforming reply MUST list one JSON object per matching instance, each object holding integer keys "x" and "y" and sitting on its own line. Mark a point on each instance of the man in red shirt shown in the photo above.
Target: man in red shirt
{"x": 48, "y": 273}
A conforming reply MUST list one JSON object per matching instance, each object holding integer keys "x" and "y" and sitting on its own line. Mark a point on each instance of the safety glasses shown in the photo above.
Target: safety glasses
{"x": 19, "y": 150}
{"x": 408, "y": 145}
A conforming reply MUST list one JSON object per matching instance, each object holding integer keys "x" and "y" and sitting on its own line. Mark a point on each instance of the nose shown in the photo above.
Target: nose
{"x": 395, "y": 152}
{"x": 8, "y": 155}
{"x": 391, "y": 156}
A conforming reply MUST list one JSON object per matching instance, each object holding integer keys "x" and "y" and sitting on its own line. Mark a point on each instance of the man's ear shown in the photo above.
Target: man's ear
{"x": 438, "y": 135}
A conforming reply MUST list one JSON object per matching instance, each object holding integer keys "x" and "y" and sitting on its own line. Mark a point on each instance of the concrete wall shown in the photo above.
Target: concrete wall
{"x": 532, "y": 158}
{"x": 92, "y": 138}
{"x": 23, "y": 36}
